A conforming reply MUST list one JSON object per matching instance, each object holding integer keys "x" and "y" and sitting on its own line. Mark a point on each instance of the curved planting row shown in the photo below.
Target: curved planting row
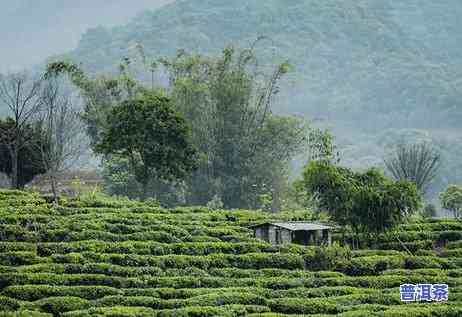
{"x": 123, "y": 258}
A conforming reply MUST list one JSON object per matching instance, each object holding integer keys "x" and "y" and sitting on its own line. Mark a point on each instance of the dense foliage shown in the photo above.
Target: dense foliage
{"x": 362, "y": 67}
{"x": 365, "y": 201}
{"x": 102, "y": 257}
{"x": 152, "y": 136}
{"x": 244, "y": 149}
{"x": 30, "y": 163}
{"x": 451, "y": 199}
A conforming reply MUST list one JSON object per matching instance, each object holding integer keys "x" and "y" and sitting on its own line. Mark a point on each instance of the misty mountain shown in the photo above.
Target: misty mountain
{"x": 351, "y": 56}
{"x": 31, "y": 30}
{"x": 373, "y": 71}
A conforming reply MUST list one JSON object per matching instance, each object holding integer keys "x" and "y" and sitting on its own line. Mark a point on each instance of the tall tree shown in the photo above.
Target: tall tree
{"x": 321, "y": 146}
{"x": 29, "y": 160}
{"x": 99, "y": 94}
{"x": 228, "y": 102}
{"x": 367, "y": 201}
{"x": 418, "y": 163}
{"x": 451, "y": 199}
{"x": 152, "y": 136}
{"x": 21, "y": 95}
{"x": 62, "y": 128}
{"x": 243, "y": 145}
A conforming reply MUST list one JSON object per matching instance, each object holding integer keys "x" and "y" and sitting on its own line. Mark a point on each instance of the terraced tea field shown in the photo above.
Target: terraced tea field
{"x": 122, "y": 258}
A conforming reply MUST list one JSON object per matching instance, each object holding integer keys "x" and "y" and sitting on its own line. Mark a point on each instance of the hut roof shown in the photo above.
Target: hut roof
{"x": 297, "y": 225}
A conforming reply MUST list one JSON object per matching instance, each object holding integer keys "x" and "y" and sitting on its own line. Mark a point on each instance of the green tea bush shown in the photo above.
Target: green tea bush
{"x": 36, "y": 292}
{"x": 58, "y": 305}
{"x": 8, "y": 279}
{"x": 16, "y": 246}
{"x": 24, "y": 313}
{"x": 137, "y": 301}
{"x": 226, "y": 298}
{"x": 423, "y": 311}
{"x": 450, "y": 235}
{"x": 325, "y": 291}
{"x": 204, "y": 311}
{"x": 20, "y": 258}
{"x": 413, "y": 246}
{"x": 116, "y": 311}
{"x": 372, "y": 265}
{"x": 7, "y": 303}
{"x": 304, "y": 306}
{"x": 327, "y": 258}
{"x": 426, "y": 262}
{"x": 125, "y": 259}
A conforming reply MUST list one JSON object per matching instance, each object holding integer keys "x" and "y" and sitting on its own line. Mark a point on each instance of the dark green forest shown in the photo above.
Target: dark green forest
{"x": 372, "y": 72}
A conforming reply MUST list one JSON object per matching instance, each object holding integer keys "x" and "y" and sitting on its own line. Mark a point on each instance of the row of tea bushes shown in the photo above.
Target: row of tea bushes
{"x": 123, "y": 258}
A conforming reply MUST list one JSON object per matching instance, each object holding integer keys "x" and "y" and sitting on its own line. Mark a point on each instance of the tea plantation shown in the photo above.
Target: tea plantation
{"x": 125, "y": 258}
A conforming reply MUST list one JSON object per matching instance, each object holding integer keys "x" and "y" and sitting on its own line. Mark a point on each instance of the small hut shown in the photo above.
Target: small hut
{"x": 299, "y": 232}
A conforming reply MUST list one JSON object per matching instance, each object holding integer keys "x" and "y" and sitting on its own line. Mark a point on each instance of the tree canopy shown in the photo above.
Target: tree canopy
{"x": 152, "y": 135}
{"x": 451, "y": 199}
{"x": 30, "y": 163}
{"x": 244, "y": 147}
{"x": 365, "y": 201}
{"x": 351, "y": 69}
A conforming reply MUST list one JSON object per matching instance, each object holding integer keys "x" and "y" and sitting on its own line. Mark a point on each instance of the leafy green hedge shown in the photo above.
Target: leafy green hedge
{"x": 123, "y": 258}
{"x": 36, "y": 292}
{"x": 59, "y": 305}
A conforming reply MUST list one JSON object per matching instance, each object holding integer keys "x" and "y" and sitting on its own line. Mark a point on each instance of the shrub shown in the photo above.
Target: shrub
{"x": 36, "y": 292}
{"x": 117, "y": 311}
{"x": 372, "y": 265}
{"x": 16, "y": 246}
{"x": 58, "y": 305}
{"x": 227, "y": 298}
{"x": 425, "y": 311}
{"x": 325, "y": 291}
{"x": 304, "y": 306}
{"x": 327, "y": 258}
{"x": 135, "y": 260}
{"x": 7, "y": 303}
{"x": 24, "y": 313}
{"x": 422, "y": 262}
{"x": 450, "y": 235}
{"x": 67, "y": 280}
{"x": 141, "y": 301}
{"x": 204, "y": 311}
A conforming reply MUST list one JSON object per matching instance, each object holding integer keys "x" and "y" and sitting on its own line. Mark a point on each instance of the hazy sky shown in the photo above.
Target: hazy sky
{"x": 31, "y": 30}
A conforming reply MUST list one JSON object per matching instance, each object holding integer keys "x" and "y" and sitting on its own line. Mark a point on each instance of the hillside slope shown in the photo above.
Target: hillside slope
{"x": 350, "y": 56}
{"x": 366, "y": 69}
{"x": 122, "y": 258}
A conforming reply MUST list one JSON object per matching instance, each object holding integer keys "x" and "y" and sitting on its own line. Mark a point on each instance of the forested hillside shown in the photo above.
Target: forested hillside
{"x": 372, "y": 71}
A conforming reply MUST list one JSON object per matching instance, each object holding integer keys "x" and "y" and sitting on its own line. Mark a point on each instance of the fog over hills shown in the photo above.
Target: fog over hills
{"x": 32, "y": 30}
{"x": 373, "y": 71}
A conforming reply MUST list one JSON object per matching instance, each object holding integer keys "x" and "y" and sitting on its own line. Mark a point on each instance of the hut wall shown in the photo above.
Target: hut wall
{"x": 272, "y": 234}
{"x": 262, "y": 233}
{"x": 286, "y": 236}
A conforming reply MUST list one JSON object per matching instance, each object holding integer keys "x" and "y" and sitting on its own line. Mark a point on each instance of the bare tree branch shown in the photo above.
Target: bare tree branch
{"x": 63, "y": 129}
{"x": 418, "y": 163}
